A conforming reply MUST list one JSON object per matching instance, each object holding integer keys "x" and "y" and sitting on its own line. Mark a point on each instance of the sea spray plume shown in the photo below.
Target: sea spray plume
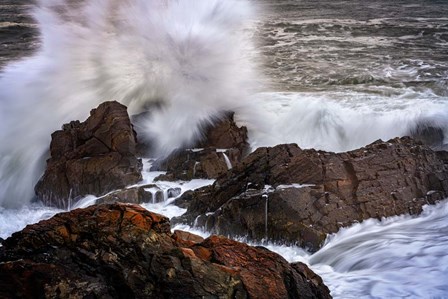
{"x": 189, "y": 55}
{"x": 319, "y": 121}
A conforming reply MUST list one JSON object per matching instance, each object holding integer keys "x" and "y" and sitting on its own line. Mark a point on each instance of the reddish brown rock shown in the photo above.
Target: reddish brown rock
{"x": 311, "y": 193}
{"x": 190, "y": 164}
{"x": 223, "y": 146}
{"x": 141, "y": 194}
{"x": 125, "y": 251}
{"x": 263, "y": 274}
{"x": 93, "y": 157}
{"x": 225, "y": 134}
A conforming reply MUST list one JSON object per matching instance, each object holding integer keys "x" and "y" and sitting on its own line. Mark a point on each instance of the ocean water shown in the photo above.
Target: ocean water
{"x": 397, "y": 257}
{"x": 332, "y": 75}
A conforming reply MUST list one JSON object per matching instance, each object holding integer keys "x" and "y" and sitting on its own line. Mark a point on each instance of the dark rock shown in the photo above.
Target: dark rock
{"x": 138, "y": 195}
{"x": 144, "y": 146}
{"x": 308, "y": 194}
{"x": 223, "y": 146}
{"x": 184, "y": 200}
{"x": 197, "y": 164}
{"x": 428, "y": 133}
{"x": 135, "y": 195}
{"x": 443, "y": 155}
{"x": 174, "y": 192}
{"x": 125, "y": 251}
{"x": 225, "y": 134}
{"x": 93, "y": 157}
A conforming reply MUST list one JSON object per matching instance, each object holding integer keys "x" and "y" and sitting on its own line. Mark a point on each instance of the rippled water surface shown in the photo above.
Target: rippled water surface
{"x": 309, "y": 44}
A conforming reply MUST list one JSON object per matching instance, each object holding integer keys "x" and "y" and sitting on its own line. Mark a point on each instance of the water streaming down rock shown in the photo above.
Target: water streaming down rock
{"x": 266, "y": 198}
{"x": 228, "y": 163}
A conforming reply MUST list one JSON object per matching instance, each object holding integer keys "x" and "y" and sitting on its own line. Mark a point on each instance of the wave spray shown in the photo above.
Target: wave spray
{"x": 190, "y": 56}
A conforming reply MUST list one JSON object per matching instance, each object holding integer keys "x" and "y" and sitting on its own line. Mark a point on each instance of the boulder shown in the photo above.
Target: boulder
{"x": 288, "y": 194}
{"x": 223, "y": 145}
{"x": 204, "y": 163}
{"x": 137, "y": 195}
{"x": 224, "y": 134}
{"x": 93, "y": 157}
{"x": 141, "y": 194}
{"x": 125, "y": 251}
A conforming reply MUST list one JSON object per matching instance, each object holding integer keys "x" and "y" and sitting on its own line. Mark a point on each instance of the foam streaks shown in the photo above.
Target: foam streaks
{"x": 188, "y": 55}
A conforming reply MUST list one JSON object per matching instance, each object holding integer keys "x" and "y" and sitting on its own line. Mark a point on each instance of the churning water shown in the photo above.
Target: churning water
{"x": 333, "y": 75}
{"x": 188, "y": 56}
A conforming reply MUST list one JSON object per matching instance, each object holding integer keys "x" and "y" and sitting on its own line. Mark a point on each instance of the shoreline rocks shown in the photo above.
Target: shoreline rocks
{"x": 93, "y": 157}
{"x": 298, "y": 196}
{"x": 224, "y": 144}
{"x": 125, "y": 251}
{"x": 281, "y": 193}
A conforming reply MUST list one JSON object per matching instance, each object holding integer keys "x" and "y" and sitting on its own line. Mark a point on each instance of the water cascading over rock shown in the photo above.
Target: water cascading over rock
{"x": 223, "y": 144}
{"x": 313, "y": 193}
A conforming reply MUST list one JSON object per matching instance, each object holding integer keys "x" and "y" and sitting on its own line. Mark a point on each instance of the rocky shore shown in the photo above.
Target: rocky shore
{"x": 292, "y": 195}
{"x": 281, "y": 193}
{"x": 125, "y": 251}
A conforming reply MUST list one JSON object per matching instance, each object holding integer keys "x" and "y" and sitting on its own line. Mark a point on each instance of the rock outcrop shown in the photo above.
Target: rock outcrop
{"x": 298, "y": 196}
{"x": 224, "y": 145}
{"x": 125, "y": 251}
{"x": 225, "y": 134}
{"x": 150, "y": 193}
{"x": 93, "y": 157}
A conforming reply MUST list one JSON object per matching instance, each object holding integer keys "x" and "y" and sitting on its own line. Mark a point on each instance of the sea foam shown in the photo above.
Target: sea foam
{"x": 189, "y": 56}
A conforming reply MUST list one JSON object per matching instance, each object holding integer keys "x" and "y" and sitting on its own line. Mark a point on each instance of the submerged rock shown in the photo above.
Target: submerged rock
{"x": 125, "y": 251}
{"x": 93, "y": 157}
{"x": 298, "y": 196}
{"x": 224, "y": 145}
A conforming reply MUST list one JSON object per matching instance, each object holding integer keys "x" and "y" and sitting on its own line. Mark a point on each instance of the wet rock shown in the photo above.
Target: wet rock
{"x": 428, "y": 133}
{"x": 298, "y": 196}
{"x": 197, "y": 164}
{"x": 93, "y": 157}
{"x": 125, "y": 251}
{"x": 174, "y": 192}
{"x": 187, "y": 238}
{"x": 225, "y": 134}
{"x": 184, "y": 200}
{"x": 130, "y": 195}
{"x": 144, "y": 146}
{"x": 138, "y": 195}
{"x": 223, "y": 146}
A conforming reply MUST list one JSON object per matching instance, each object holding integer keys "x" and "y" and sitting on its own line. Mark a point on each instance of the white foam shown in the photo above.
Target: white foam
{"x": 13, "y": 220}
{"x": 341, "y": 121}
{"x": 136, "y": 52}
